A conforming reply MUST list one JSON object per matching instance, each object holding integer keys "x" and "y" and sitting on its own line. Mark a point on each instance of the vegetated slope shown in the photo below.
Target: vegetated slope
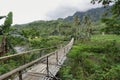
{"x": 45, "y": 28}
{"x": 94, "y": 60}
{"x": 95, "y": 14}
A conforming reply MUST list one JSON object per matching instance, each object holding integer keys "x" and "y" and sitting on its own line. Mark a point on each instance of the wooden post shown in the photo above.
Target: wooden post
{"x": 40, "y": 53}
{"x": 64, "y": 50}
{"x": 20, "y": 75}
{"x": 47, "y": 68}
{"x": 57, "y": 57}
{"x": 24, "y": 61}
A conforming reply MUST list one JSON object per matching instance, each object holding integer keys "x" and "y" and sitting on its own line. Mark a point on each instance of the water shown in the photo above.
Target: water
{"x": 19, "y": 49}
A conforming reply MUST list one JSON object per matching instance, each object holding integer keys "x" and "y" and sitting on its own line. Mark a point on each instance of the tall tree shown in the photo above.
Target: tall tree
{"x": 76, "y": 26}
{"x": 5, "y": 29}
{"x": 112, "y": 26}
{"x": 87, "y": 27}
{"x": 7, "y": 32}
{"x": 114, "y": 22}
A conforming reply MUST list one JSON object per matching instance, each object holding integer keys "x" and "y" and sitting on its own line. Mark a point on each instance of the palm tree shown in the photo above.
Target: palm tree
{"x": 87, "y": 27}
{"x": 76, "y": 28}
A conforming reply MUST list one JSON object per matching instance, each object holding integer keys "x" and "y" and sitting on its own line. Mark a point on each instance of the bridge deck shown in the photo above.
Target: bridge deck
{"x": 39, "y": 72}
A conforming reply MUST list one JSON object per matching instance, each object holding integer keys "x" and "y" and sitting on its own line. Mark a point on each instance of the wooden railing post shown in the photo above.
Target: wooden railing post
{"x": 24, "y": 60}
{"x": 20, "y": 75}
{"x": 40, "y": 53}
{"x": 57, "y": 57}
{"x": 64, "y": 50}
{"x": 47, "y": 68}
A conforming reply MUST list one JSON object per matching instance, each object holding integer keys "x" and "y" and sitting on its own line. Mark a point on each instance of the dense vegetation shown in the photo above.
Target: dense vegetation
{"x": 95, "y": 14}
{"x": 97, "y": 59}
{"x": 94, "y": 56}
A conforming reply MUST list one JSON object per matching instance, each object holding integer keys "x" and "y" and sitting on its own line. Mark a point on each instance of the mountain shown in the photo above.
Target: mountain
{"x": 94, "y": 14}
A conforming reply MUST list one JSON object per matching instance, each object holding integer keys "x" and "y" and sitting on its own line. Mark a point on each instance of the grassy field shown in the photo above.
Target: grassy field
{"x": 105, "y": 38}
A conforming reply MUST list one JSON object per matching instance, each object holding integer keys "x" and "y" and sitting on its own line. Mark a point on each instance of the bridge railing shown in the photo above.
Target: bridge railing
{"x": 38, "y": 59}
{"x": 8, "y": 63}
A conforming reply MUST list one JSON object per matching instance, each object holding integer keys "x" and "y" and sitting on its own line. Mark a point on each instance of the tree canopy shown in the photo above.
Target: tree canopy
{"x": 115, "y": 7}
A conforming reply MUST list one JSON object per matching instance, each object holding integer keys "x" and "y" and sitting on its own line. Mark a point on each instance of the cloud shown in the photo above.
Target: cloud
{"x": 61, "y": 12}
{"x": 70, "y": 7}
{"x": 25, "y": 11}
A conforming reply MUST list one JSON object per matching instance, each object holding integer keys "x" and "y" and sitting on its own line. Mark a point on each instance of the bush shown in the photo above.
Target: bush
{"x": 93, "y": 61}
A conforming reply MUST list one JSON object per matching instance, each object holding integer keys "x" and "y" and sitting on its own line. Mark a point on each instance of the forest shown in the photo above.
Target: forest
{"x": 95, "y": 54}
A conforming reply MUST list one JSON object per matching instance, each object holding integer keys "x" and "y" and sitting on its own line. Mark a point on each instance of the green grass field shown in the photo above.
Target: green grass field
{"x": 105, "y": 38}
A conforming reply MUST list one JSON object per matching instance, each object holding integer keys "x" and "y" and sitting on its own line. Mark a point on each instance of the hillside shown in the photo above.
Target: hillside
{"x": 95, "y": 14}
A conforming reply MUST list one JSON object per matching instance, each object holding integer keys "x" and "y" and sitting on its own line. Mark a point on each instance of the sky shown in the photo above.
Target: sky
{"x": 25, "y": 11}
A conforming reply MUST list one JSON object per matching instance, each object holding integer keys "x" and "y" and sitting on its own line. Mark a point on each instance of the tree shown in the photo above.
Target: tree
{"x": 87, "y": 27}
{"x": 76, "y": 27}
{"x": 5, "y": 28}
{"x": 115, "y": 7}
{"x": 7, "y": 32}
{"x": 1, "y": 17}
{"x": 113, "y": 23}
{"x": 112, "y": 26}
{"x": 76, "y": 21}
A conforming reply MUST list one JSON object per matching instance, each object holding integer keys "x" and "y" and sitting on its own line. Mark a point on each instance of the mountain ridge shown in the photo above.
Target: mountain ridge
{"x": 95, "y": 14}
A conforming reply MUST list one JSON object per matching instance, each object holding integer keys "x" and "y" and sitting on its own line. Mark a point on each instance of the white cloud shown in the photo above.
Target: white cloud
{"x": 25, "y": 11}
{"x": 70, "y": 7}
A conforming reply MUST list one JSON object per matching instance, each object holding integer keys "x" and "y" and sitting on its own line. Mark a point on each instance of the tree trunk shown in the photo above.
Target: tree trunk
{"x": 3, "y": 46}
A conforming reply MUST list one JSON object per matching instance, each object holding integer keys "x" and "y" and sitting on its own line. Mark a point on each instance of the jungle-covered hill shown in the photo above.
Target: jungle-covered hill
{"x": 95, "y": 14}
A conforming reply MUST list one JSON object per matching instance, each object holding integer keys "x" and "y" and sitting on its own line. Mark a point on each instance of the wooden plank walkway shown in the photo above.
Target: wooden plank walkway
{"x": 39, "y": 71}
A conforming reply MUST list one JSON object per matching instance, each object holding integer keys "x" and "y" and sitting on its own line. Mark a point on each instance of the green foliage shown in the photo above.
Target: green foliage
{"x": 93, "y": 60}
{"x": 1, "y": 17}
{"x": 51, "y": 42}
{"x": 8, "y": 33}
{"x": 65, "y": 71}
{"x": 7, "y": 23}
{"x": 104, "y": 2}
{"x": 76, "y": 21}
{"x": 113, "y": 26}
{"x": 101, "y": 38}
{"x": 46, "y": 42}
{"x": 86, "y": 20}
{"x": 115, "y": 7}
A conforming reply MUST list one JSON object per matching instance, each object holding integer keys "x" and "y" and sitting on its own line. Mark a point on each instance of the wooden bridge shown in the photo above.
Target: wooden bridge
{"x": 41, "y": 68}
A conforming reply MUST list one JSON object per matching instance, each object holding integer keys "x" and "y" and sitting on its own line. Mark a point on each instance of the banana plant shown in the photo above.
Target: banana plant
{"x": 5, "y": 28}
{"x": 7, "y": 32}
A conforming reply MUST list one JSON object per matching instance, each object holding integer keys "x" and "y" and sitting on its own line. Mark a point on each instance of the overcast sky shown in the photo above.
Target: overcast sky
{"x": 25, "y": 11}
